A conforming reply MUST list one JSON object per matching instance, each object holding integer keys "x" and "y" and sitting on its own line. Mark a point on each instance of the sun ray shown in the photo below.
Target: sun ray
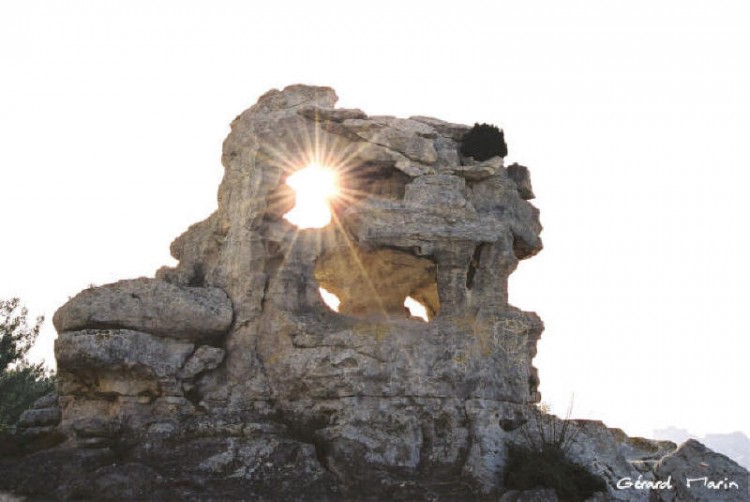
{"x": 313, "y": 147}
{"x": 361, "y": 266}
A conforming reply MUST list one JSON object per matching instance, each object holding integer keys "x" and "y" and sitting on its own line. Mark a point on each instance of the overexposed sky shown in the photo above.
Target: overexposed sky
{"x": 633, "y": 117}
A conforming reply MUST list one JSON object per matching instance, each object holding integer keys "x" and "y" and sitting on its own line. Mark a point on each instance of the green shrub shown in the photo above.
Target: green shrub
{"x": 484, "y": 141}
{"x": 21, "y": 382}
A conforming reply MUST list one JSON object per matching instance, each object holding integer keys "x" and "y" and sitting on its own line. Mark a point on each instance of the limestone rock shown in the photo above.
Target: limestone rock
{"x": 47, "y": 401}
{"x": 106, "y": 364}
{"x": 204, "y": 358}
{"x": 479, "y": 170}
{"x": 96, "y": 427}
{"x": 149, "y": 305}
{"x": 296, "y": 96}
{"x": 621, "y": 461}
{"x": 40, "y": 417}
{"x": 368, "y": 360}
{"x": 455, "y": 132}
{"x": 331, "y": 114}
{"x": 699, "y": 474}
{"x": 608, "y": 454}
{"x": 194, "y": 248}
{"x": 120, "y": 350}
{"x": 409, "y": 138}
{"x": 520, "y": 176}
{"x": 227, "y": 376}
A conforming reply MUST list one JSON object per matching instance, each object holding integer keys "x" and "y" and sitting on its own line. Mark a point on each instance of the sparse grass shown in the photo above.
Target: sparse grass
{"x": 543, "y": 460}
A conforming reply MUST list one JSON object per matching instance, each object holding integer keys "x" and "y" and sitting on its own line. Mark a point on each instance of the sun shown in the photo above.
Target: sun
{"x": 314, "y": 186}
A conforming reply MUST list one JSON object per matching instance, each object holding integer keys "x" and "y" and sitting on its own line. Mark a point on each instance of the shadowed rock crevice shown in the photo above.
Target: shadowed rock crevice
{"x": 474, "y": 265}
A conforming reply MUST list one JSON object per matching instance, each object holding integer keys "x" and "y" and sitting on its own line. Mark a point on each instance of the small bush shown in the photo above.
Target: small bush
{"x": 21, "y": 382}
{"x": 543, "y": 461}
{"x": 484, "y": 141}
{"x": 527, "y": 469}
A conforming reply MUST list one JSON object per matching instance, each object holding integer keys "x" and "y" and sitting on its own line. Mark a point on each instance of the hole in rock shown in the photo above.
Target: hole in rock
{"x": 375, "y": 283}
{"x": 416, "y": 309}
{"x": 331, "y": 300}
{"x": 314, "y": 187}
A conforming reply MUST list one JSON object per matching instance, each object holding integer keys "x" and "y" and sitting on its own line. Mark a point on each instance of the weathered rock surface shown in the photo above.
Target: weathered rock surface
{"x": 521, "y": 177}
{"x": 228, "y": 378}
{"x": 149, "y": 305}
{"x": 120, "y": 350}
{"x": 37, "y": 428}
{"x": 538, "y": 495}
{"x": 203, "y": 359}
{"x": 699, "y": 474}
{"x": 40, "y": 418}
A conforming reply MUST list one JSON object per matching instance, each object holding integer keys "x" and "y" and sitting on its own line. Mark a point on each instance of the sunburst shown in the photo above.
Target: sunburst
{"x": 314, "y": 187}
{"x": 322, "y": 170}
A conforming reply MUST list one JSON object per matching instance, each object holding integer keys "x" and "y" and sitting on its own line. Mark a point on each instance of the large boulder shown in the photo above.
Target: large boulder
{"x": 100, "y": 371}
{"x": 120, "y": 350}
{"x": 699, "y": 474}
{"x": 151, "y": 306}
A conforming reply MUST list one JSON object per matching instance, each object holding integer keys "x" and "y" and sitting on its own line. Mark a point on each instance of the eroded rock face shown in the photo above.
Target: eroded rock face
{"x": 227, "y": 377}
{"x": 155, "y": 307}
{"x": 699, "y": 474}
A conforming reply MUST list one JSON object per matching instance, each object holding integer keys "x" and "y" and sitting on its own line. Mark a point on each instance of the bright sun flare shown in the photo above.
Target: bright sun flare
{"x": 314, "y": 186}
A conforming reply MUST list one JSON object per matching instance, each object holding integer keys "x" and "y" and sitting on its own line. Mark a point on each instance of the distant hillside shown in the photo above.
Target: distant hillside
{"x": 735, "y": 445}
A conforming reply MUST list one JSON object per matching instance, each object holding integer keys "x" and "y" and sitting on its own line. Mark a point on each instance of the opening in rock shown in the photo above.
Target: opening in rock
{"x": 314, "y": 187}
{"x": 375, "y": 283}
{"x": 416, "y": 309}
{"x": 331, "y": 300}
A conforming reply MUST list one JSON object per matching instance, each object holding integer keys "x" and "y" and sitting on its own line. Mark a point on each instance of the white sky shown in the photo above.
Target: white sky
{"x": 634, "y": 118}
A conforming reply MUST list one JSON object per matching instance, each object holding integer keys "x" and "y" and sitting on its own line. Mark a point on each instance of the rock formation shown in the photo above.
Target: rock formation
{"x": 227, "y": 376}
